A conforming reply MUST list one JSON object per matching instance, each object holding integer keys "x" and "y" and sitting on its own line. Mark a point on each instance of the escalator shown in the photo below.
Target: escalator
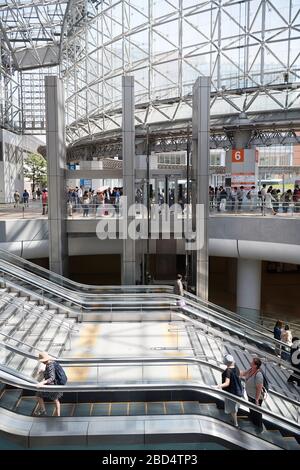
{"x": 176, "y": 409}
{"x": 39, "y": 313}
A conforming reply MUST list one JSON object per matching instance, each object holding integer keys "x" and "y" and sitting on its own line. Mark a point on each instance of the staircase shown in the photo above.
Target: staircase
{"x": 32, "y": 328}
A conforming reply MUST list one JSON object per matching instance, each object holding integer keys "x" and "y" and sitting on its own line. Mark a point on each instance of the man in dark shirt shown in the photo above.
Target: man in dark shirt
{"x": 231, "y": 383}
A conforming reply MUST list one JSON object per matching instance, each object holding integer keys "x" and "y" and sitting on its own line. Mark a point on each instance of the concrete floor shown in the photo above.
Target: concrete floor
{"x": 125, "y": 340}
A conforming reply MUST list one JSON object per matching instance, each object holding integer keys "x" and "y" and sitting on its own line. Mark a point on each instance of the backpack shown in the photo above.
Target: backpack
{"x": 248, "y": 195}
{"x": 237, "y": 387}
{"x": 60, "y": 375}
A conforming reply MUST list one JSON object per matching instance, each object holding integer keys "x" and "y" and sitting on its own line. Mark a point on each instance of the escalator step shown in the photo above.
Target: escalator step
{"x": 2, "y": 387}
{"x": 155, "y": 408}
{"x": 9, "y": 399}
{"x": 66, "y": 409}
{"x": 119, "y": 409}
{"x": 191, "y": 407}
{"x": 82, "y": 409}
{"x": 26, "y": 406}
{"x": 101, "y": 409}
{"x": 49, "y": 408}
{"x": 174, "y": 408}
{"x": 291, "y": 443}
{"x": 137, "y": 409}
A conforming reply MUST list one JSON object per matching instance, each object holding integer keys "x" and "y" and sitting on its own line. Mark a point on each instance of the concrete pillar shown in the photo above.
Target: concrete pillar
{"x": 248, "y": 288}
{"x": 200, "y": 180}
{"x": 128, "y": 139}
{"x": 56, "y": 160}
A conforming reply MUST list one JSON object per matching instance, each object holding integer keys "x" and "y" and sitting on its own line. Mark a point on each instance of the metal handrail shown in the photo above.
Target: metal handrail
{"x": 17, "y": 351}
{"x": 92, "y": 305}
{"x": 156, "y": 386}
{"x": 73, "y": 285}
{"x": 232, "y": 314}
{"x": 45, "y": 273}
{"x": 93, "y": 362}
{"x": 39, "y": 313}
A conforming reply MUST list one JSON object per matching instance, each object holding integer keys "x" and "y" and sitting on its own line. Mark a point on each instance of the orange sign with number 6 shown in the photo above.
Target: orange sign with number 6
{"x": 238, "y": 156}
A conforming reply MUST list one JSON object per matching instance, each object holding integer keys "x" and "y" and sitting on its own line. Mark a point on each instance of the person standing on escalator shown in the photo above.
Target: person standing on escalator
{"x": 178, "y": 290}
{"x": 231, "y": 383}
{"x": 254, "y": 380}
{"x": 49, "y": 379}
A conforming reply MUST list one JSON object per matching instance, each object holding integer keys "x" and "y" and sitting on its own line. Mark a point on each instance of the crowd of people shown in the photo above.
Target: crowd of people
{"x": 93, "y": 200}
{"x": 269, "y": 200}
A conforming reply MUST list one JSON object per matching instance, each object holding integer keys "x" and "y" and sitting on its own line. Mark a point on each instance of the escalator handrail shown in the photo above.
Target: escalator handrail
{"x": 173, "y": 297}
{"x": 77, "y": 300}
{"x": 156, "y": 386}
{"x": 88, "y": 362}
{"x": 61, "y": 280}
{"x": 53, "y": 289}
{"x": 227, "y": 312}
{"x": 151, "y": 288}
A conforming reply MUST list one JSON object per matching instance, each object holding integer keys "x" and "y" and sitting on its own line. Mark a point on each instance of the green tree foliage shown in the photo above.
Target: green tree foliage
{"x": 35, "y": 168}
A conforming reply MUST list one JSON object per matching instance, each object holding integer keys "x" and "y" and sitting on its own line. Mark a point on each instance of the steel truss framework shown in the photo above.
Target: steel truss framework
{"x": 10, "y": 91}
{"x": 111, "y": 146}
{"x": 32, "y": 30}
{"x": 251, "y": 49}
{"x": 30, "y": 33}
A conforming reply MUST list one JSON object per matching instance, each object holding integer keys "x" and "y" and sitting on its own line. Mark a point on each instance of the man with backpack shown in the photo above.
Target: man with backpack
{"x": 53, "y": 375}
{"x": 231, "y": 383}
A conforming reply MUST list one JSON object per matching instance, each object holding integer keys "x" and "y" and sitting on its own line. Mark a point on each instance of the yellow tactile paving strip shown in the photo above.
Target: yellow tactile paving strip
{"x": 83, "y": 348}
{"x": 131, "y": 339}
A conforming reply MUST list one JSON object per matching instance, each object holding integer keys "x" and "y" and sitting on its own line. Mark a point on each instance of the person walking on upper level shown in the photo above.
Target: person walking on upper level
{"x": 26, "y": 198}
{"x": 16, "y": 198}
{"x": 45, "y": 201}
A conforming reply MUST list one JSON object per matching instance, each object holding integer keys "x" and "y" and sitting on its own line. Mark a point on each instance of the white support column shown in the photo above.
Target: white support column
{"x": 56, "y": 160}
{"x": 200, "y": 178}
{"x": 128, "y": 139}
{"x": 248, "y": 288}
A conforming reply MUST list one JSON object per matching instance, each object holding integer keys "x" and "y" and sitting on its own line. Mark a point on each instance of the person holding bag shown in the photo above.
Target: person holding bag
{"x": 254, "y": 388}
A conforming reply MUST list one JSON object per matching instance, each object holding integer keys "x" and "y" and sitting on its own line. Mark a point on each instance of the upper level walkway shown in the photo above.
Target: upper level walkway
{"x": 35, "y": 211}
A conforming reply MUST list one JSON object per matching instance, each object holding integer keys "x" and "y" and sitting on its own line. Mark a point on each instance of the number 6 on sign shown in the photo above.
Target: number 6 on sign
{"x": 238, "y": 156}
